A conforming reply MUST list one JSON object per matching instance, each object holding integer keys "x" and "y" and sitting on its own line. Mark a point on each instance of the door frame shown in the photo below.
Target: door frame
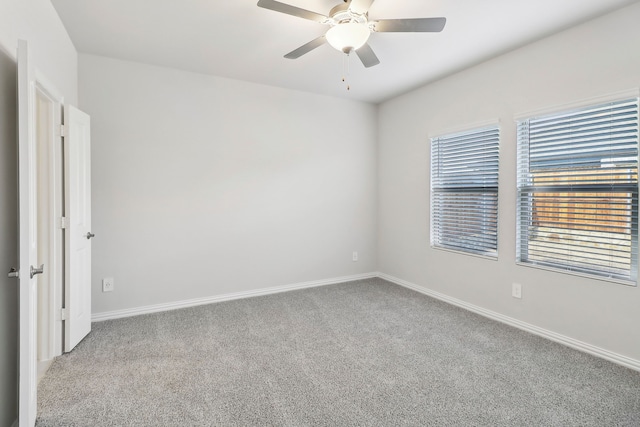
{"x": 52, "y": 340}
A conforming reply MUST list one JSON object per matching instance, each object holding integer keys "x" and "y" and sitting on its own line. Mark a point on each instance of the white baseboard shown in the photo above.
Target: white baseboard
{"x": 553, "y": 336}
{"x": 136, "y": 311}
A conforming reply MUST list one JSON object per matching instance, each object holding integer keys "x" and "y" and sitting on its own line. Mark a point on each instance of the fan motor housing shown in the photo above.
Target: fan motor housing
{"x": 342, "y": 14}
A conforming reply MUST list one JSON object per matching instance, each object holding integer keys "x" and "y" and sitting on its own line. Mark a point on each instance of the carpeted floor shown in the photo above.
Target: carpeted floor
{"x": 366, "y": 353}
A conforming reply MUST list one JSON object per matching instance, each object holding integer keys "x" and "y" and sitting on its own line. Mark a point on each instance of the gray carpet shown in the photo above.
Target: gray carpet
{"x": 366, "y": 353}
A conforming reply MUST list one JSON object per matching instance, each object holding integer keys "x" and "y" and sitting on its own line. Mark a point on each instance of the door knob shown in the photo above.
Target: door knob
{"x": 13, "y": 273}
{"x": 38, "y": 270}
{"x": 90, "y": 235}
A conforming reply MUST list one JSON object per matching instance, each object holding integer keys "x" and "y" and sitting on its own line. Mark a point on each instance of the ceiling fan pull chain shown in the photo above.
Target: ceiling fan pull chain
{"x": 348, "y": 70}
{"x": 345, "y": 70}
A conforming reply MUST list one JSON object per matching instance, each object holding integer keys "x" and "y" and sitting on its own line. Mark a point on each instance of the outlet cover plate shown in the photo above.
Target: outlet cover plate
{"x": 516, "y": 290}
{"x": 107, "y": 284}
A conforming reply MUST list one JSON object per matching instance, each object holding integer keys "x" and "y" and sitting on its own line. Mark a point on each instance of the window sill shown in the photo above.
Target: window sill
{"x": 630, "y": 283}
{"x": 488, "y": 257}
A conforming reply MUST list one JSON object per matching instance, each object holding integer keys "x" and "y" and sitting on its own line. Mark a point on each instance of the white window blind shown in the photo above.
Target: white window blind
{"x": 464, "y": 191}
{"x": 578, "y": 190}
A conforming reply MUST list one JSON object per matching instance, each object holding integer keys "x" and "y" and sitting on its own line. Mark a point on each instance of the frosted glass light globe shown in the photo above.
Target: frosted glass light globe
{"x": 348, "y": 36}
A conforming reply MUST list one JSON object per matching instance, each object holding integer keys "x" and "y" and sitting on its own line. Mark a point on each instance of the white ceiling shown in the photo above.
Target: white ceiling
{"x": 239, "y": 40}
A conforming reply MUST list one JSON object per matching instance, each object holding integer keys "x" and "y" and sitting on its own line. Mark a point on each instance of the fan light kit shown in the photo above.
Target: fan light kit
{"x": 347, "y": 37}
{"x": 351, "y": 27}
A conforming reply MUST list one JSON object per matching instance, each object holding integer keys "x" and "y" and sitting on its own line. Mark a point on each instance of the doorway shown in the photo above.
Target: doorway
{"x": 50, "y": 233}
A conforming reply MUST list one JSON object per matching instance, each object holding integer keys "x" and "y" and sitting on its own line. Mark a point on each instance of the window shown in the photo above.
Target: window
{"x": 578, "y": 191}
{"x": 464, "y": 191}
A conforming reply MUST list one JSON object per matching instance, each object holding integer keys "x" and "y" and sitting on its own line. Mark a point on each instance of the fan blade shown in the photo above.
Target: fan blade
{"x": 292, "y": 10}
{"x": 305, "y": 48}
{"x": 415, "y": 25}
{"x": 360, "y": 6}
{"x": 367, "y": 56}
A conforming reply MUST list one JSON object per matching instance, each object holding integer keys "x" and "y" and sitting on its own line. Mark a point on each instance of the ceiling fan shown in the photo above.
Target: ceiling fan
{"x": 351, "y": 27}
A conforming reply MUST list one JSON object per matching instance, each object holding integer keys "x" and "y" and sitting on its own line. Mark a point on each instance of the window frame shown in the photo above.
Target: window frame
{"x": 632, "y": 188}
{"x": 438, "y": 187}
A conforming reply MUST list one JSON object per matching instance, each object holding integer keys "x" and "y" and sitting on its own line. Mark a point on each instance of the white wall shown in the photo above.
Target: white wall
{"x": 54, "y": 57}
{"x": 591, "y": 60}
{"x": 52, "y": 51}
{"x": 205, "y": 186}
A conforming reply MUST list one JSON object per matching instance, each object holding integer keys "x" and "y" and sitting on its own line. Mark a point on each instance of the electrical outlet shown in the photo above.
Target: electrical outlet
{"x": 107, "y": 284}
{"x": 516, "y": 290}
{"x": 355, "y": 256}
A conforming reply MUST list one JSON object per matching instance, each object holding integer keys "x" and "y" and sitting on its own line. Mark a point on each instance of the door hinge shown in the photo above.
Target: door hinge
{"x": 63, "y": 222}
{"x": 63, "y": 314}
{"x": 62, "y": 131}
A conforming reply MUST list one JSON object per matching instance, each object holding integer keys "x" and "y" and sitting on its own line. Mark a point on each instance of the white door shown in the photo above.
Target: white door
{"x": 27, "y": 271}
{"x": 77, "y": 153}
